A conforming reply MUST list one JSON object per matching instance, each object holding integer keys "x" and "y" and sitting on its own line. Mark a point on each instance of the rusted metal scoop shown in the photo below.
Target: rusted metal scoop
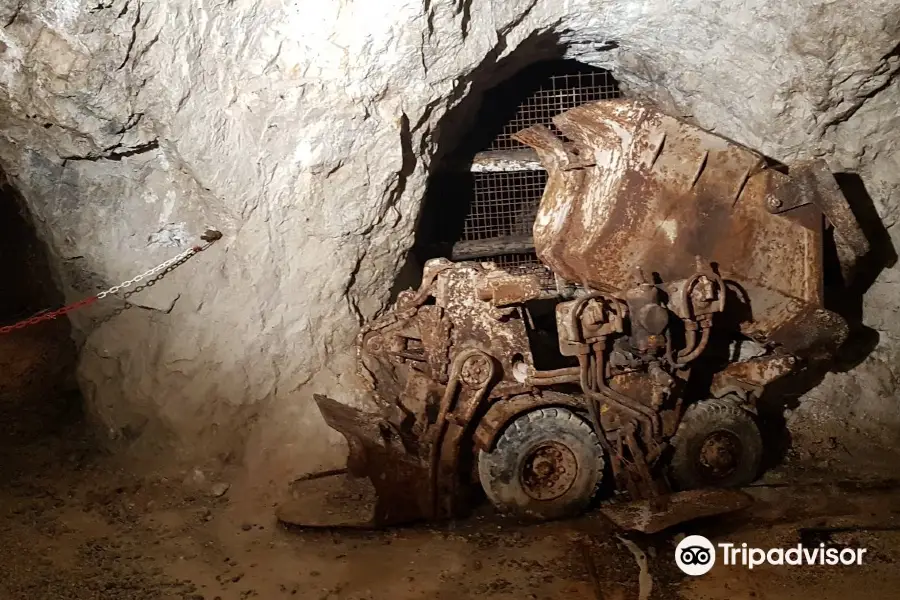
{"x": 328, "y": 500}
{"x": 397, "y": 490}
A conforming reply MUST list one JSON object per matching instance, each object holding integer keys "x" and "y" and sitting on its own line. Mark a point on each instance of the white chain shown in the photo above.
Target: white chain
{"x": 147, "y": 274}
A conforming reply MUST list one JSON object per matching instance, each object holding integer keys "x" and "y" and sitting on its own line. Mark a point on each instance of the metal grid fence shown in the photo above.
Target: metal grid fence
{"x": 558, "y": 94}
{"x": 524, "y": 264}
{"x": 506, "y": 203}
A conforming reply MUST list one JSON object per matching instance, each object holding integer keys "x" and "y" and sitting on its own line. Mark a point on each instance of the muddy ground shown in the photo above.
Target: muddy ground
{"x": 76, "y": 524}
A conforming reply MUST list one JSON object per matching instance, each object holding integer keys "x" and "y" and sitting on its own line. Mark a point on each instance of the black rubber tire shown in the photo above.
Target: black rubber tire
{"x": 501, "y": 470}
{"x": 702, "y": 420}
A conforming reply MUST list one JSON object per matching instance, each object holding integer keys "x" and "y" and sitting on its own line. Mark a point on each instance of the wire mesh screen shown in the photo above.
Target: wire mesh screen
{"x": 504, "y": 204}
{"x": 524, "y": 264}
{"x": 558, "y": 94}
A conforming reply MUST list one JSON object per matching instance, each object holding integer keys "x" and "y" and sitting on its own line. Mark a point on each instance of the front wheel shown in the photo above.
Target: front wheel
{"x": 547, "y": 464}
{"x": 718, "y": 444}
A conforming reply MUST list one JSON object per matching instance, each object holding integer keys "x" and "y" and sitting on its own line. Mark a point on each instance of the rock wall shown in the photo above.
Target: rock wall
{"x": 306, "y": 131}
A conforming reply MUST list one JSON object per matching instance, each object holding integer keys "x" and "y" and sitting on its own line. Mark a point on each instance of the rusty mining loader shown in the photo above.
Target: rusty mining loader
{"x": 688, "y": 277}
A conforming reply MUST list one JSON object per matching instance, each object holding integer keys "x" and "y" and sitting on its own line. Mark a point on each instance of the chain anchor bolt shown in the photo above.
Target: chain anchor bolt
{"x": 211, "y": 235}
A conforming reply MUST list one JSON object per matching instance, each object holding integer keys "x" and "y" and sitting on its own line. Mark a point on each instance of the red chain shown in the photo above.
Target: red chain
{"x": 47, "y": 316}
{"x": 211, "y": 236}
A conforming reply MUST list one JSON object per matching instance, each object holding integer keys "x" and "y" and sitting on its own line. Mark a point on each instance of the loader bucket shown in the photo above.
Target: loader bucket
{"x": 660, "y": 191}
{"x": 401, "y": 480}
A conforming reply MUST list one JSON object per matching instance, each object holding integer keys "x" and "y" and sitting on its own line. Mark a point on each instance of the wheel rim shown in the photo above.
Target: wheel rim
{"x": 548, "y": 471}
{"x": 719, "y": 455}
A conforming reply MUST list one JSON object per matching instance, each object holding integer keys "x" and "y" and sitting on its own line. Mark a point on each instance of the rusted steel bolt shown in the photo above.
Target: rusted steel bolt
{"x": 475, "y": 371}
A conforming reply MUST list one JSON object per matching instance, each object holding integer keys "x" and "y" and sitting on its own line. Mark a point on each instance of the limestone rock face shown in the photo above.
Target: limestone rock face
{"x": 306, "y": 130}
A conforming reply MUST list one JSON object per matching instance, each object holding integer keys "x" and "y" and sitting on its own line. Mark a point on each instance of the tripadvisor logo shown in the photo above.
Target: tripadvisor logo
{"x": 696, "y": 555}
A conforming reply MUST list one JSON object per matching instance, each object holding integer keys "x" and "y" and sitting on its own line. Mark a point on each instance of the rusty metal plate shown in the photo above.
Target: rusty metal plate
{"x": 679, "y": 507}
{"x": 752, "y": 374}
{"x": 503, "y": 289}
{"x": 478, "y": 323}
{"x": 334, "y": 500}
{"x": 637, "y": 188}
{"x": 399, "y": 473}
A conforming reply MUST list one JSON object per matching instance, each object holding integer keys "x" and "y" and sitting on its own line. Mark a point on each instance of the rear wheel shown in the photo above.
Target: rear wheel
{"x": 547, "y": 464}
{"x": 718, "y": 444}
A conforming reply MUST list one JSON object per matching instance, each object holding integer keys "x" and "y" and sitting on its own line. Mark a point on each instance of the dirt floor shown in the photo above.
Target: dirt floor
{"x": 75, "y": 524}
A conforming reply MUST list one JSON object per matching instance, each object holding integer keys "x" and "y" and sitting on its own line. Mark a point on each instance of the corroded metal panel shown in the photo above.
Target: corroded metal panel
{"x": 637, "y": 188}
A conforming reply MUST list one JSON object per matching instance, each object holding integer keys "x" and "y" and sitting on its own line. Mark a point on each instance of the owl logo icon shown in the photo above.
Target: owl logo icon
{"x": 695, "y": 555}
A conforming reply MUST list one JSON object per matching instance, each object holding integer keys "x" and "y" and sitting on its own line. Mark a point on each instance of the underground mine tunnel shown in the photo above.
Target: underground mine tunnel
{"x": 446, "y": 300}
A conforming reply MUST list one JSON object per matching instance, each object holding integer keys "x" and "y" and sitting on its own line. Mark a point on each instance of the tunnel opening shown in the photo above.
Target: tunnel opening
{"x": 481, "y": 203}
{"x": 38, "y": 391}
